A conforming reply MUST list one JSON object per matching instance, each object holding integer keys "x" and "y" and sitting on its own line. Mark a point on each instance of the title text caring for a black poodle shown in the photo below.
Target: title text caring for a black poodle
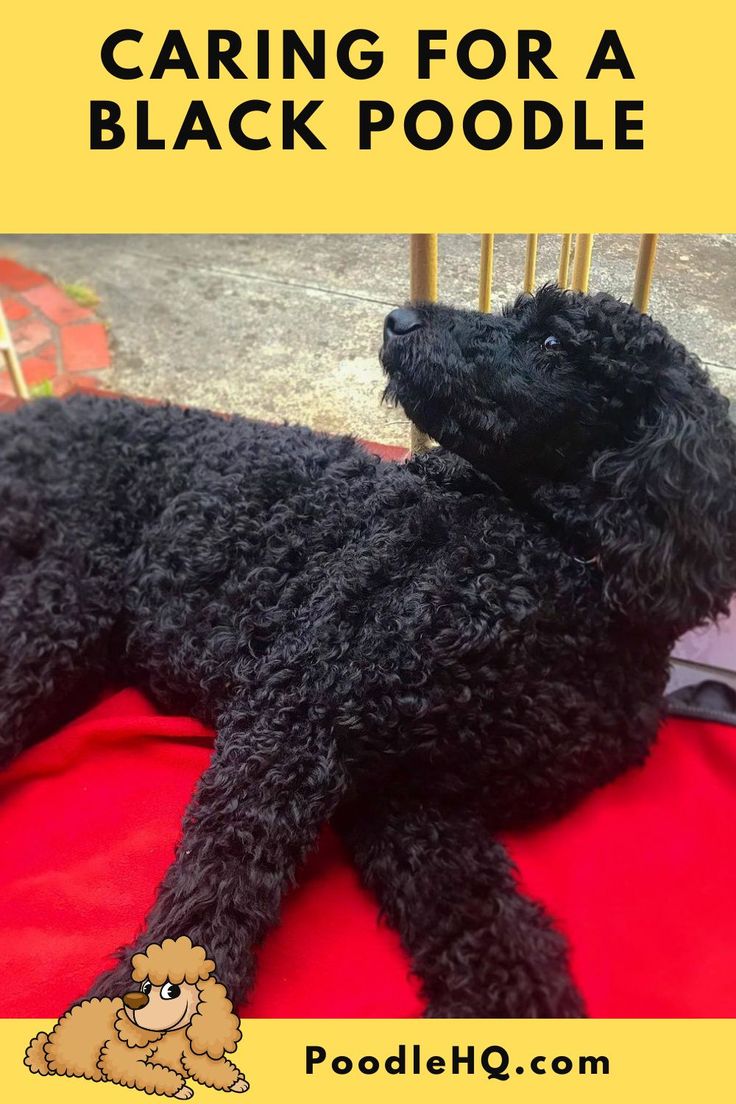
{"x": 428, "y": 123}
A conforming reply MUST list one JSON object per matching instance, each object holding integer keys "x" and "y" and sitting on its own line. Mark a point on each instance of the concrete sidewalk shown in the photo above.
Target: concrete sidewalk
{"x": 288, "y": 327}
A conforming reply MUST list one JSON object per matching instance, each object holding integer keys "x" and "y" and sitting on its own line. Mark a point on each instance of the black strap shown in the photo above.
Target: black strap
{"x": 705, "y": 701}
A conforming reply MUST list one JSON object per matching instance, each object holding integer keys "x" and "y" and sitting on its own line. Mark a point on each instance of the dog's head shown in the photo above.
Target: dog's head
{"x": 178, "y": 990}
{"x": 596, "y": 411}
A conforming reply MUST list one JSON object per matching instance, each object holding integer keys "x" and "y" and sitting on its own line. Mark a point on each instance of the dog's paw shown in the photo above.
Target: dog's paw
{"x": 241, "y": 1085}
{"x": 184, "y": 1093}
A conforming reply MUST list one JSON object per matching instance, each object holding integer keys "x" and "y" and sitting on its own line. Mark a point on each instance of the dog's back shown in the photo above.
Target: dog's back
{"x": 211, "y": 557}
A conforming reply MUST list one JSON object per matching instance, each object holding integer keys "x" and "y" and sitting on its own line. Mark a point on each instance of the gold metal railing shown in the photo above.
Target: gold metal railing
{"x": 644, "y": 270}
{"x": 581, "y": 262}
{"x": 563, "y": 272}
{"x": 424, "y": 280}
{"x": 486, "y": 272}
{"x": 576, "y": 253}
{"x": 10, "y": 359}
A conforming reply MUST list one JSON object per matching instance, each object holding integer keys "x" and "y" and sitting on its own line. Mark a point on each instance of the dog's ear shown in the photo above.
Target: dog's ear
{"x": 665, "y": 526}
{"x": 215, "y": 1028}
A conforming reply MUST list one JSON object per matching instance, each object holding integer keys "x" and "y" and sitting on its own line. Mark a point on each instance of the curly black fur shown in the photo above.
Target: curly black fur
{"x": 471, "y": 640}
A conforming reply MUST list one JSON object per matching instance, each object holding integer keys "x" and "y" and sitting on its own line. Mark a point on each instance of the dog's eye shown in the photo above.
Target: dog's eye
{"x": 169, "y": 991}
{"x": 145, "y": 986}
{"x": 551, "y": 342}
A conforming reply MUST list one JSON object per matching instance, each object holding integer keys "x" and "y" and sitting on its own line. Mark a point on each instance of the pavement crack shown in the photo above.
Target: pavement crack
{"x": 247, "y": 275}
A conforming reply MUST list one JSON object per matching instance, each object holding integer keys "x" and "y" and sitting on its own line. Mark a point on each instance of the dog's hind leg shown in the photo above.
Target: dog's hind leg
{"x": 57, "y": 609}
{"x": 478, "y": 946}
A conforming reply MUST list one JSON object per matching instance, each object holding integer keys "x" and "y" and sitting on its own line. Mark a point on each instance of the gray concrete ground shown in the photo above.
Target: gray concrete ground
{"x": 288, "y": 327}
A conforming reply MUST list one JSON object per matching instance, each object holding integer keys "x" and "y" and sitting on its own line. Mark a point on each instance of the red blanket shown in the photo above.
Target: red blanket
{"x": 641, "y": 877}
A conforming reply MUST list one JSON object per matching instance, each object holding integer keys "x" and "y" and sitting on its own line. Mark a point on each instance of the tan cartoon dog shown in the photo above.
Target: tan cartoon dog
{"x": 179, "y": 1024}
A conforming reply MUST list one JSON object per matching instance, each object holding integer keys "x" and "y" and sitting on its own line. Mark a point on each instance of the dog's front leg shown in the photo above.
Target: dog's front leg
{"x": 126, "y": 1065}
{"x": 479, "y": 947}
{"x": 275, "y": 778}
{"x": 216, "y": 1073}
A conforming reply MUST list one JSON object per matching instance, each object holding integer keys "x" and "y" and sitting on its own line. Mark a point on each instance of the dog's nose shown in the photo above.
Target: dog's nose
{"x": 135, "y": 1000}
{"x": 402, "y": 321}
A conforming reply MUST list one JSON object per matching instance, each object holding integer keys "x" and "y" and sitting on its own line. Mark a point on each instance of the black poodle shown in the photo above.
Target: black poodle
{"x": 424, "y": 653}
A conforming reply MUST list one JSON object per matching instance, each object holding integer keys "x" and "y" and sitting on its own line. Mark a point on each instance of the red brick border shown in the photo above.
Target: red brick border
{"x": 55, "y": 338}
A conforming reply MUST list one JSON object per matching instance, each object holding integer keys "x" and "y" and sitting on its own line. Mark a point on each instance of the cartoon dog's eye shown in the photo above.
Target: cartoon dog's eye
{"x": 551, "y": 342}
{"x": 145, "y": 986}
{"x": 169, "y": 991}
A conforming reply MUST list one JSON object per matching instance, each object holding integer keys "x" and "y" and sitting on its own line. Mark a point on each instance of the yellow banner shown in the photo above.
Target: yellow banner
{"x": 508, "y": 117}
{"x": 512, "y": 1060}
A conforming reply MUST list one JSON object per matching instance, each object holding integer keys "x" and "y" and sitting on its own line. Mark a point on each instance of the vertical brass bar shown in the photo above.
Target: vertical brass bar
{"x": 423, "y": 268}
{"x": 419, "y": 441}
{"x": 644, "y": 271}
{"x": 10, "y": 357}
{"x": 423, "y": 258}
{"x": 486, "y": 272}
{"x": 581, "y": 263}
{"x": 563, "y": 274}
{"x": 530, "y": 270}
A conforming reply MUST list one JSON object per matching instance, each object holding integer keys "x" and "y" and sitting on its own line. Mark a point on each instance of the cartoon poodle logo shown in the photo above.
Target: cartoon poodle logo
{"x": 178, "y": 1024}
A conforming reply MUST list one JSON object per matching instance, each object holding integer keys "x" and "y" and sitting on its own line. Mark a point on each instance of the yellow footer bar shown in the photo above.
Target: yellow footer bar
{"x": 404, "y": 1060}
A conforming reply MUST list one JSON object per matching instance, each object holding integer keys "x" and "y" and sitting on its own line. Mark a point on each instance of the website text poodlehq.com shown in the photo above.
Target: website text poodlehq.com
{"x": 493, "y": 1062}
